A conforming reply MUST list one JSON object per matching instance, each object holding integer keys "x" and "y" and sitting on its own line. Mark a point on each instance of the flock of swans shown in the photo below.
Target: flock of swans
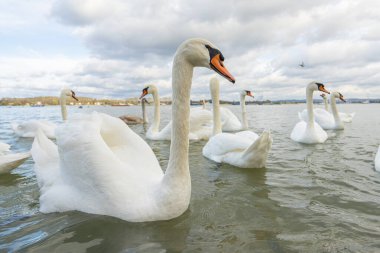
{"x": 99, "y": 165}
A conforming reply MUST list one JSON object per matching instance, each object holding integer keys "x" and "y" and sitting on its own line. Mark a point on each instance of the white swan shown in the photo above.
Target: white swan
{"x": 377, "y": 160}
{"x": 324, "y": 118}
{"x": 103, "y": 167}
{"x": 133, "y": 120}
{"x": 10, "y": 161}
{"x": 229, "y": 121}
{"x": 200, "y": 120}
{"x": 243, "y": 149}
{"x": 309, "y": 132}
{"x": 30, "y": 128}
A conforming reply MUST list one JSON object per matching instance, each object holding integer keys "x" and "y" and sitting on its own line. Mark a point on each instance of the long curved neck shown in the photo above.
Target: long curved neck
{"x": 243, "y": 112}
{"x": 214, "y": 90}
{"x": 310, "y": 109}
{"x": 156, "y": 121}
{"x": 62, "y": 102}
{"x": 334, "y": 110}
{"x": 145, "y": 117}
{"x": 326, "y": 104}
{"x": 177, "y": 174}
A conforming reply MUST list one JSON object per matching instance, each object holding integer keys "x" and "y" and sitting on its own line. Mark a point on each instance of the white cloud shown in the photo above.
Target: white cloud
{"x": 131, "y": 43}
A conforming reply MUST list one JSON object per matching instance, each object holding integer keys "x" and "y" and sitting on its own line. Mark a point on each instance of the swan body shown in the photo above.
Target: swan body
{"x": 346, "y": 117}
{"x": 309, "y": 132}
{"x": 29, "y": 128}
{"x": 324, "y": 118}
{"x": 101, "y": 166}
{"x": 11, "y": 161}
{"x": 230, "y": 122}
{"x": 243, "y": 149}
{"x": 200, "y": 120}
{"x": 133, "y": 120}
{"x": 377, "y": 160}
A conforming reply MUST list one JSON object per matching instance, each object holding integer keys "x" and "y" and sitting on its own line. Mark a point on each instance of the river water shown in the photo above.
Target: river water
{"x": 309, "y": 198}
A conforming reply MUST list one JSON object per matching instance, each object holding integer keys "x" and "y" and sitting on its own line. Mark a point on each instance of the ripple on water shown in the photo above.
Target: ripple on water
{"x": 310, "y": 198}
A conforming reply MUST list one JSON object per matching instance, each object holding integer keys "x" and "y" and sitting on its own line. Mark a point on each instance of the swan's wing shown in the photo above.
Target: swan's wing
{"x": 4, "y": 147}
{"x": 200, "y": 124}
{"x": 101, "y": 160}
{"x": 46, "y": 159}
{"x": 106, "y": 150}
{"x": 303, "y": 115}
{"x": 249, "y": 135}
{"x": 29, "y": 128}
{"x": 324, "y": 118}
{"x": 164, "y": 135}
{"x": 321, "y": 116}
{"x": 304, "y": 134}
{"x": 229, "y": 120}
{"x": 199, "y": 118}
{"x": 346, "y": 117}
{"x": 223, "y": 143}
{"x": 11, "y": 161}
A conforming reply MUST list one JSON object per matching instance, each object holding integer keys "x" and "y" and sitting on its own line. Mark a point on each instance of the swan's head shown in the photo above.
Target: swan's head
{"x": 317, "y": 86}
{"x": 246, "y": 93}
{"x": 202, "y": 53}
{"x": 338, "y": 95}
{"x": 150, "y": 89}
{"x": 323, "y": 96}
{"x": 69, "y": 93}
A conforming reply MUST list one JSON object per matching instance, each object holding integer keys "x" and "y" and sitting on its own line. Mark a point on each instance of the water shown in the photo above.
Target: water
{"x": 310, "y": 198}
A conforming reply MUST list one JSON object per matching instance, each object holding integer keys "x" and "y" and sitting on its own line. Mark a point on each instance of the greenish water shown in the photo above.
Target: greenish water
{"x": 310, "y": 198}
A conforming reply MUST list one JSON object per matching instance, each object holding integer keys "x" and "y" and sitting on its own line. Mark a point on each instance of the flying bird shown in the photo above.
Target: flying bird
{"x": 302, "y": 65}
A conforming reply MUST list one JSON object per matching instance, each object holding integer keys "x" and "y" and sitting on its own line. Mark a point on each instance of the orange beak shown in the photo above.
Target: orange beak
{"x": 217, "y": 65}
{"x": 144, "y": 93}
{"x": 323, "y": 89}
{"x": 249, "y": 93}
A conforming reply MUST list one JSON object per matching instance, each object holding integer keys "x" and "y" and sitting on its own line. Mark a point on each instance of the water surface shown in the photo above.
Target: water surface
{"x": 310, "y": 198}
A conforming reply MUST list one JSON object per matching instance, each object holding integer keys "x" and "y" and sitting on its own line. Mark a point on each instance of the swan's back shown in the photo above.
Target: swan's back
{"x": 229, "y": 120}
{"x": 30, "y": 128}
{"x": 324, "y": 118}
{"x": 100, "y": 160}
{"x": 308, "y": 135}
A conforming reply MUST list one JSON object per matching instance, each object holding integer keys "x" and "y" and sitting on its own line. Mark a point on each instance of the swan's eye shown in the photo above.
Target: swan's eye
{"x": 213, "y": 52}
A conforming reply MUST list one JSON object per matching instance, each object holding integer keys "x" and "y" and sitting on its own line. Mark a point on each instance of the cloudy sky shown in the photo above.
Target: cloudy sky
{"x": 113, "y": 48}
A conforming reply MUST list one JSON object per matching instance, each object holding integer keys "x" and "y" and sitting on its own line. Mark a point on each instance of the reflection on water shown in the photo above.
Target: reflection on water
{"x": 310, "y": 198}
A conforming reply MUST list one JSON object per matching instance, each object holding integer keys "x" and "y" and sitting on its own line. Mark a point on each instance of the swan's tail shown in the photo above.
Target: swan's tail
{"x": 46, "y": 158}
{"x": 255, "y": 156}
{"x": 11, "y": 161}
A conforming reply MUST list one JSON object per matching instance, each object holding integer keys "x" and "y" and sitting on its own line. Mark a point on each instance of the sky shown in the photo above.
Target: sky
{"x": 113, "y": 48}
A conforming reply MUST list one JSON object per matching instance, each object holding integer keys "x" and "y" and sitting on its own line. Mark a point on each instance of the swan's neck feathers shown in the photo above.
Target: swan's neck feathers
{"x": 214, "y": 90}
{"x": 326, "y": 104}
{"x": 334, "y": 110}
{"x": 310, "y": 110}
{"x": 156, "y": 122}
{"x": 243, "y": 112}
{"x": 145, "y": 117}
{"x": 62, "y": 101}
{"x": 177, "y": 176}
